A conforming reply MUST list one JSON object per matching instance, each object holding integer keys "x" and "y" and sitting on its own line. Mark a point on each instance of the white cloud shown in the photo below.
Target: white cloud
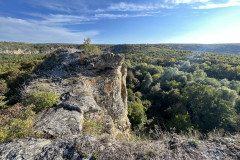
{"x": 229, "y": 3}
{"x": 65, "y": 20}
{"x": 132, "y": 7}
{"x": 122, "y": 6}
{"x": 61, "y": 19}
{"x": 29, "y": 31}
{"x": 206, "y": 4}
{"x": 111, "y": 16}
{"x": 176, "y": 2}
{"x": 114, "y": 16}
{"x": 53, "y": 27}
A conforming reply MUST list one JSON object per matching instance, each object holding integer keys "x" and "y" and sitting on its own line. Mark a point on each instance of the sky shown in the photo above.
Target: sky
{"x": 120, "y": 22}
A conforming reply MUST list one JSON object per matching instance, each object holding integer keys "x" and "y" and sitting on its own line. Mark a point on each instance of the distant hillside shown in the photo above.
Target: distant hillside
{"x": 215, "y": 48}
{"x": 35, "y": 48}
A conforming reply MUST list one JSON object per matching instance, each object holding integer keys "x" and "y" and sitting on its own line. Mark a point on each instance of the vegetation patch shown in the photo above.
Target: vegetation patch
{"x": 193, "y": 143}
{"x": 42, "y": 98}
{"x": 16, "y": 123}
{"x": 93, "y": 127}
{"x": 185, "y": 90}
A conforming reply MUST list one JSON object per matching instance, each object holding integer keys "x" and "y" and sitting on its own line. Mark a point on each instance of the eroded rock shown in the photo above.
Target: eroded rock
{"x": 88, "y": 87}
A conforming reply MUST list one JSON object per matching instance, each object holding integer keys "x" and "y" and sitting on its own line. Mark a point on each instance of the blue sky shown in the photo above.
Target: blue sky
{"x": 117, "y": 22}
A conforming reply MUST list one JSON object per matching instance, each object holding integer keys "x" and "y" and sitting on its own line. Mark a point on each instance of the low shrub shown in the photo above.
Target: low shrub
{"x": 19, "y": 126}
{"x": 193, "y": 143}
{"x": 2, "y": 102}
{"x": 42, "y": 98}
{"x": 93, "y": 126}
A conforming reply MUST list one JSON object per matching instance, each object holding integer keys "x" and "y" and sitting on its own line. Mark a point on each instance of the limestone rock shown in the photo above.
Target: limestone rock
{"x": 58, "y": 122}
{"x": 43, "y": 149}
{"x": 88, "y": 147}
{"x": 88, "y": 87}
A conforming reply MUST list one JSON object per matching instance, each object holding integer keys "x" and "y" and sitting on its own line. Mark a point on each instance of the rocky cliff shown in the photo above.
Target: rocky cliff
{"x": 89, "y": 87}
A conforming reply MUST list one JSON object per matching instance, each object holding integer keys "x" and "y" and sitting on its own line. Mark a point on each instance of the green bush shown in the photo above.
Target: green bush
{"x": 41, "y": 98}
{"x": 19, "y": 126}
{"x": 193, "y": 143}
{"x": 2, "y": 101}
{"x": 181, "y": 123}
{"x": 3, "y": 87}
{"x": 137, "y": 115}
{"x": 90, "y": 49}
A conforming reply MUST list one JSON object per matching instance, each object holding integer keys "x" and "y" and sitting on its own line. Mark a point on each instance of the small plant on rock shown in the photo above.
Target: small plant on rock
{"x": 90, "y": 49}
{"x": 93, "y": 126}
{"x": 42, "y": 98}
{"x": 193, "y": 143}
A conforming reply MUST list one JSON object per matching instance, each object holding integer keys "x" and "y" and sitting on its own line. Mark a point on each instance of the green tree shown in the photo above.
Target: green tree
{"x": 146, "y": 83}
{"x": 206, "y": 108}
{"x": 199, "y": 75}
{"x": 181, "y": 123}
{"x": 172, "y": 85}
{"x": 90, "y": 49}
{"x": 137, "y": 115}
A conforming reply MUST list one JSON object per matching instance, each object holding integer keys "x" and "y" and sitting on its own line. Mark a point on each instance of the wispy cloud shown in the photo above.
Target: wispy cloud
{"x": 115, "y": 16}
{"x": 176, "y": 2}
{"x": 16, "y": 29}
{"x": 61, "y": 19}
{"x": 55, "y": 27}
{"x": 65, "y": 20}
{"x": 68, "y": 6}
{"x": 132, "y": 7}
{"x": 212, "y": 5}
{"x": 122, "y": 6}
{"x": 111, "y": 16}
{"x": 205, "y": 4}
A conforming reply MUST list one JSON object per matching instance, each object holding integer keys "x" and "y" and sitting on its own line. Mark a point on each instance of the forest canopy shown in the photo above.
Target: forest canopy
{"x": 184, "y": 90}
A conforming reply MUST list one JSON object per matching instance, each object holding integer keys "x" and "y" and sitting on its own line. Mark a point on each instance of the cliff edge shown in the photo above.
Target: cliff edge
{"x": 89, "y": 88}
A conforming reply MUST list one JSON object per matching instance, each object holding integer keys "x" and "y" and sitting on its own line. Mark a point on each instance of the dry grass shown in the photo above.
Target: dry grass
{"x": 93, "y": 127}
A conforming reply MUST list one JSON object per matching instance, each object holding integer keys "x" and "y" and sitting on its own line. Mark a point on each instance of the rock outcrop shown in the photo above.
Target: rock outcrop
{"x": 90, "y": 148}
{"x": 93, "y": 87}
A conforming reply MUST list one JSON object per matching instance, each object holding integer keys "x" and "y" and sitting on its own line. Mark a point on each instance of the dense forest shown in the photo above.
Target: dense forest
{"x": 14, "y": 70}
{"x": 184, "y": 90}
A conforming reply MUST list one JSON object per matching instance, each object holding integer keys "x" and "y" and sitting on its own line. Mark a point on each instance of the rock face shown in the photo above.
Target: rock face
{"x": 93, "y": 87}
